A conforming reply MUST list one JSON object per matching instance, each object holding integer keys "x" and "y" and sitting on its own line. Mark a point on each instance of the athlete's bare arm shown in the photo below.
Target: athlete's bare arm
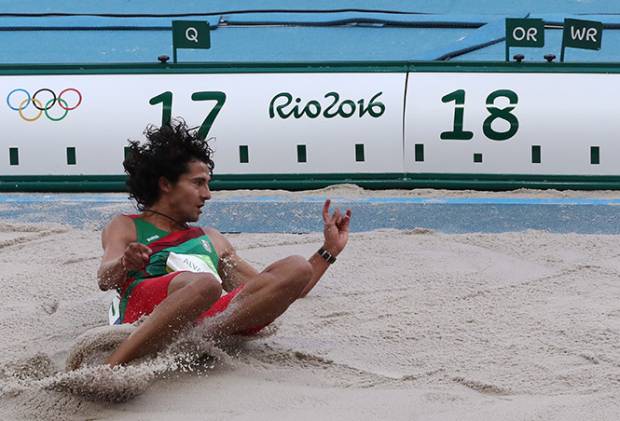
{"x": 235, "y": 271}
{"x": 121, "y": 253}
{"x": 335, "y": 238}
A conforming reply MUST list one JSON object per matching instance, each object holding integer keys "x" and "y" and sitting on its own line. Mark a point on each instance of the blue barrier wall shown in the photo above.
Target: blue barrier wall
{"x": 247, "y": 31}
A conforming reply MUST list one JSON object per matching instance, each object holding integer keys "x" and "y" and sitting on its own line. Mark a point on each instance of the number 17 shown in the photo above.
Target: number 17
{"x": 165, "y": 98}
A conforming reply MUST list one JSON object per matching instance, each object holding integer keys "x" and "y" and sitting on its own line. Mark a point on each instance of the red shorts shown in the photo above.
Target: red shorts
{"x": 147, "y": 294}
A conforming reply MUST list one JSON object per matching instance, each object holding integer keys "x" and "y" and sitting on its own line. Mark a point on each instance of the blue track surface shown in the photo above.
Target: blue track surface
{"x": 303, "y": 213}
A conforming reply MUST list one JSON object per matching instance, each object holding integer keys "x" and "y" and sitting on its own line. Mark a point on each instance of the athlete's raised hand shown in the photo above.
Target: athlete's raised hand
{"x": 136, "y": 256}
{"x": 336, "y": 229}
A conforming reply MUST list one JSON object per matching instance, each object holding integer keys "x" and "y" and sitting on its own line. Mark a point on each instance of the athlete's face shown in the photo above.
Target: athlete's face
{"x": 189, "y": 193}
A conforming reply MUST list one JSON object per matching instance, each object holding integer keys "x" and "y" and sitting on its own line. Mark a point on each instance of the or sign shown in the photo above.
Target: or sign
{"x": 584, "y": 34}
{"x": 525, "y": 32}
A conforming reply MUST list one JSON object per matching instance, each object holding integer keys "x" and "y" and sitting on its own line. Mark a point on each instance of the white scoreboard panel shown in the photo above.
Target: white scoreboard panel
{"x": 269, "y": 116}
{"x": 386, "y": 125}
{"x": 507, "y": 123}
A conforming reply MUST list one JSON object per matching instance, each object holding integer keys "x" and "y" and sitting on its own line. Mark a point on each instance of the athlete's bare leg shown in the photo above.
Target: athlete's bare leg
{"x": 260, "y": 302}
{"x": 265, "y": 297}
{"x": 189, "y": 295}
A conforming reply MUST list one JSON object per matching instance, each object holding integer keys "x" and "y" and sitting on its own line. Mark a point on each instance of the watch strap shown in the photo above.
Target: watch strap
{"x": 329, "y": 258}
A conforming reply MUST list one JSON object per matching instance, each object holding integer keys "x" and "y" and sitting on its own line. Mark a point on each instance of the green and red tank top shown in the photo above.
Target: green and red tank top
{"x": 187, "y": 250}
{"x": 190, "y": 249}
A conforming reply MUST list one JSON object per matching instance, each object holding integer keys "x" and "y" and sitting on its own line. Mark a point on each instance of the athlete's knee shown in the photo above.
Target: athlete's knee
{"x": 299, "y": 272}
{"x": 206, "y": 287}
{"x": 303, "y": 268}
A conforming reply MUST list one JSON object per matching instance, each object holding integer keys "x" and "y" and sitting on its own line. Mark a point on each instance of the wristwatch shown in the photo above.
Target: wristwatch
{"x": 329, "y": 258}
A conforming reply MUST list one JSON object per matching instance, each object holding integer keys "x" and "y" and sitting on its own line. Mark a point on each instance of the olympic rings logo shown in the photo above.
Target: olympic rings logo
{"x": 19, "y": 100}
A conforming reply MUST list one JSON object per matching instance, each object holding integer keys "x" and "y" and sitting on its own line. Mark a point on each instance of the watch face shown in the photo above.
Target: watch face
{"x": 326, "y": 255}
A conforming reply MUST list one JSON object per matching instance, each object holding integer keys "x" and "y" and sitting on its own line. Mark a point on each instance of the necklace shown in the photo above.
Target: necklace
{"x": 180, "y": 224}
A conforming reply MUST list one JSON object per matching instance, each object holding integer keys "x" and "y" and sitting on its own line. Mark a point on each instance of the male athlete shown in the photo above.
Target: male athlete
{"x": 174, "y": 272}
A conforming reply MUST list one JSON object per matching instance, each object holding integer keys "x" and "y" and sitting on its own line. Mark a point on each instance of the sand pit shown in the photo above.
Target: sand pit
{"x": 407, "y": 325}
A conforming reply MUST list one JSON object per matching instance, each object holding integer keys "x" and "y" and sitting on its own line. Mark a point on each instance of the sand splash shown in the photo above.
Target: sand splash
{"x": 87, "y": 376}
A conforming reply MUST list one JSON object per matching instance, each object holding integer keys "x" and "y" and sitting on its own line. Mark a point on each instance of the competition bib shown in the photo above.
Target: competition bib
{"x": 192, "y": 263}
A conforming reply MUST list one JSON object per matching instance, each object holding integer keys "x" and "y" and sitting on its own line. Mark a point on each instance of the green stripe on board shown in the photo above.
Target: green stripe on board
{"x": 595, "y": 155}
{"x": 244, "y": 157}
{"x": 112, "y": 183}
{"x": 535, "y": 154}
{"x": 13, "y": 156}
{"x": 301, "y": 153}
{"x": 359, "y": 152}
{"x": 419, "y": 152}
{"x": 71, "y": 156}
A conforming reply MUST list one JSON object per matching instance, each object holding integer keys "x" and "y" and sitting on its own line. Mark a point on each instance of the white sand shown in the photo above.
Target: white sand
{"x": 407, "y": 325}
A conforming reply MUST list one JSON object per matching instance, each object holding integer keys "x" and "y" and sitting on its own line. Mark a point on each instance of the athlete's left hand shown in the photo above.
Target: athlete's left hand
{"x": 336, "y": 229}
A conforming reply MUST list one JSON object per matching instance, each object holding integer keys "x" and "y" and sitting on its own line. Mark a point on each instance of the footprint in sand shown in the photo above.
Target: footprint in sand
{"x": 87, "y": 374}
{"x": 104, "y": 383}
{"x": 94, "y": 345}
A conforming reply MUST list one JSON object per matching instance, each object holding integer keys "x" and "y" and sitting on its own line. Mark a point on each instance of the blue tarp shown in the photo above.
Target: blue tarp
{"x": 129, "y": 31}
{"x": 418, "y": 6}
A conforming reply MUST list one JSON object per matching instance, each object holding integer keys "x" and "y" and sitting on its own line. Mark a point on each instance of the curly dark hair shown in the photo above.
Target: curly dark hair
{"x": 166, "y": 153}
